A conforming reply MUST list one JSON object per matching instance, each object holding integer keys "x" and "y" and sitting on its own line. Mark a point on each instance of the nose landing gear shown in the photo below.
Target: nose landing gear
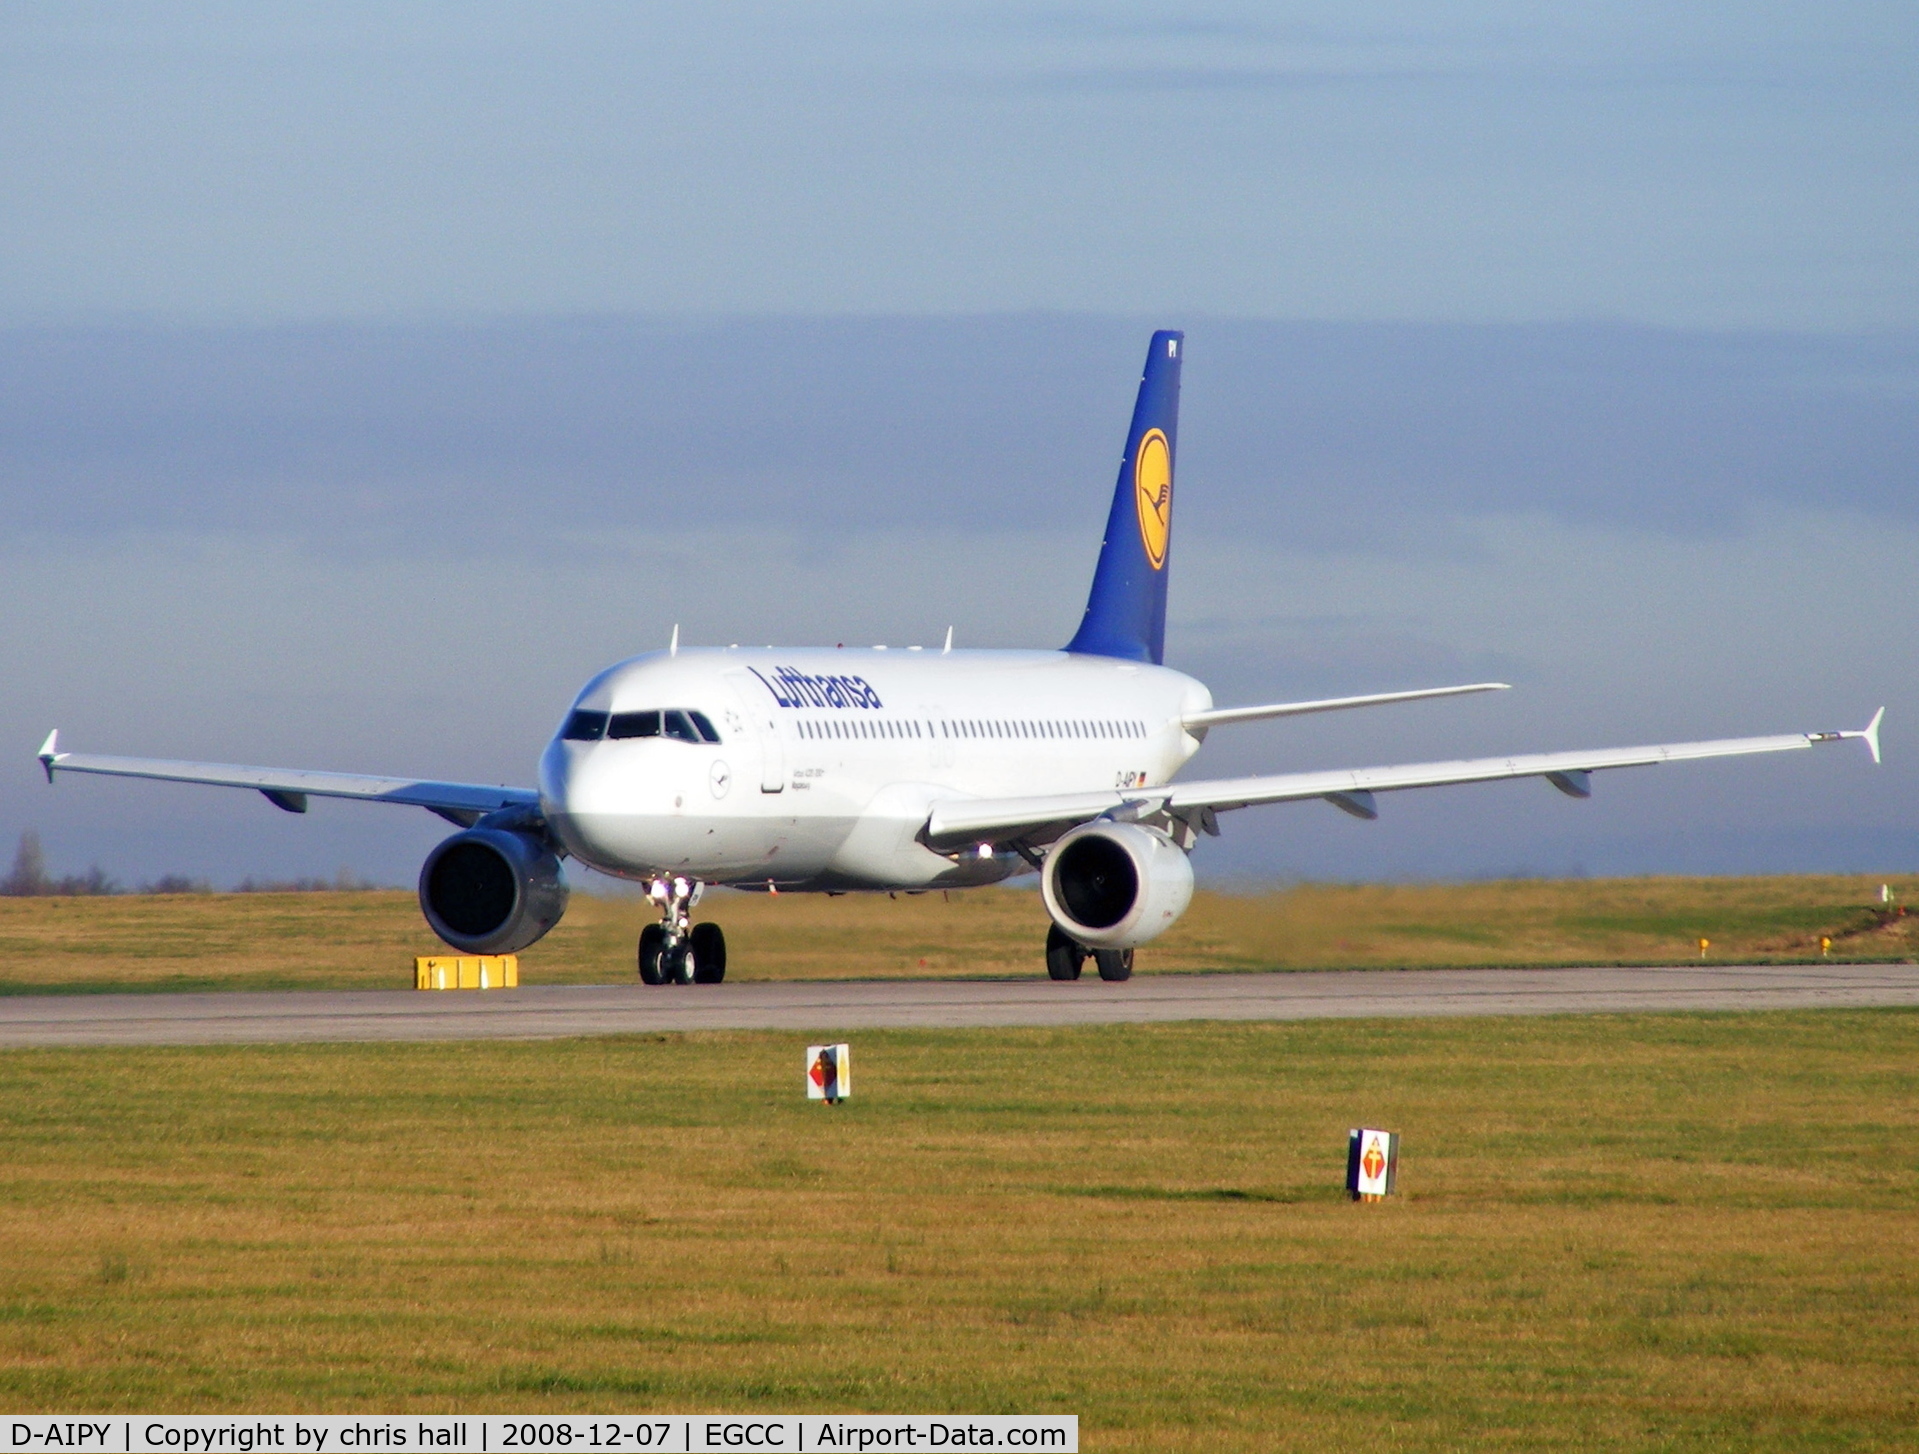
{"x": 676, "y": 950}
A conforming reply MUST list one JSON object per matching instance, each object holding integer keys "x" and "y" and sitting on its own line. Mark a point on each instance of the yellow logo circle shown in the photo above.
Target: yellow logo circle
{"x": 1153, "y": 494}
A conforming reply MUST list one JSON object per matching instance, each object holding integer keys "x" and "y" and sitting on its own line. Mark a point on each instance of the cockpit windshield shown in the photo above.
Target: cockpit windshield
{"x": 584, "y": 726}
{"x": 633, "y": 724}
{"x": 681, "y": 724}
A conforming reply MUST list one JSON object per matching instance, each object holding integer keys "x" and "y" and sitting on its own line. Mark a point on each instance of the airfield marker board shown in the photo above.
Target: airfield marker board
{"x": 1372, "y": 1163}
{"x": 466, "y": 972}
{"x": 829, "y": 1073}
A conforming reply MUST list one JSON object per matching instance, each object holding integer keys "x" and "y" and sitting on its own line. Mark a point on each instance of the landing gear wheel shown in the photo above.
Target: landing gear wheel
{"x": 678, "y": 964}
{"x": 1064, "y": 957}
{"x": 1114, "y": 964}
{"x": 709, "y": 954}
{"x": 652, "y": 946}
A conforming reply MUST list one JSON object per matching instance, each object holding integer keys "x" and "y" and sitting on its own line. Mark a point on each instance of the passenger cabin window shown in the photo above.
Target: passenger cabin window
{"x": 584, "y": 726}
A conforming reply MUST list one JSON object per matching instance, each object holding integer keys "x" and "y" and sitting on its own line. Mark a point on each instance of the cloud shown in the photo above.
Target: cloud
{"x": 442, "y": 439}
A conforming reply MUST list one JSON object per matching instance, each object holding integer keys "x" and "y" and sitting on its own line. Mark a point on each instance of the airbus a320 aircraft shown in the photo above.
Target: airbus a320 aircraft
{"x": 830, "y": 770}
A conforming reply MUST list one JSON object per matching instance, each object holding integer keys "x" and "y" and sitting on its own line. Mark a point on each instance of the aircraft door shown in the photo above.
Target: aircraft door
{"x": 764, "y": 715}
{"x": 940, "y": 748}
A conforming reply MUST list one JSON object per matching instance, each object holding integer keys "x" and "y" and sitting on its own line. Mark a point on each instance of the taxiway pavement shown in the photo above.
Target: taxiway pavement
{"x": 550, "y": 1011}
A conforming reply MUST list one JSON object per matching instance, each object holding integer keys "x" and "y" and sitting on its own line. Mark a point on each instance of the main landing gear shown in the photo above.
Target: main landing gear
{"x": 676, "y": 950}
{"x": 1065, "y": 957}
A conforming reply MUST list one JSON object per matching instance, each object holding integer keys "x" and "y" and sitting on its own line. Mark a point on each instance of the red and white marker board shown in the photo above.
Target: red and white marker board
{"x": 829, "y": 1072}
{"x": 1372, "y": 1163}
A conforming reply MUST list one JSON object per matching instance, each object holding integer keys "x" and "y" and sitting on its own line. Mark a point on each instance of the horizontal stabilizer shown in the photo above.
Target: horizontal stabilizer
{"x": 1220, "y": 716}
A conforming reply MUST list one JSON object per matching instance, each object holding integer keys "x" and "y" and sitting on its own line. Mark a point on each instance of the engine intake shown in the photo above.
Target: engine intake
{"x": 1116, "y": 885}
{"x": 492, "y": 891}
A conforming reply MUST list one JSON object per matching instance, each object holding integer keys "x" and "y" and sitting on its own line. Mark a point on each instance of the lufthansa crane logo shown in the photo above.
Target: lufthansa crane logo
{"x": 1153, "y": 494}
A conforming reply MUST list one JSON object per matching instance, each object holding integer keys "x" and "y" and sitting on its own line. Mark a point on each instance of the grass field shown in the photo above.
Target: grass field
{"x": 1672, "y": 1232}
{"x": 367, "y": 940}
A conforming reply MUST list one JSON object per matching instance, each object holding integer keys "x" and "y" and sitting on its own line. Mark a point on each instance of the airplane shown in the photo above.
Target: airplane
{"x": 903, "y": 769}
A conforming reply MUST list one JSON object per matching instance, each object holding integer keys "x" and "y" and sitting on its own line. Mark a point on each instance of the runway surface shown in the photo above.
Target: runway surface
{"x": 544, "y": 1012}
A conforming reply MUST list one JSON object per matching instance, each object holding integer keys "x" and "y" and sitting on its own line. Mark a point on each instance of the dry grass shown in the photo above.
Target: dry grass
{"x": 367, "y": 940}
{"x": 1677, "y": 1232}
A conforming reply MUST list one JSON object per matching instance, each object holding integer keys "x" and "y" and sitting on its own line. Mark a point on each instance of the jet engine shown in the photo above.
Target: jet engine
{"x": 1116, "y": 885}
{"x": 492, "y": 890}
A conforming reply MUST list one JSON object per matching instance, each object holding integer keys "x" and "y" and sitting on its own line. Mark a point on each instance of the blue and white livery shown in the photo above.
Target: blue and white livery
{"x": 806, "y": 770}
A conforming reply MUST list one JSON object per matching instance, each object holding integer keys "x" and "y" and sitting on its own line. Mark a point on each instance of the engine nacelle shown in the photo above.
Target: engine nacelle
{"x": 1116, "y": 885}
{"x": 492, "y": 891}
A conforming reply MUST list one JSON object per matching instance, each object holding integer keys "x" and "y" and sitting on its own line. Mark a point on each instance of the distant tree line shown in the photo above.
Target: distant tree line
{"x": 30, "y": 879}
{"x": 345, "y": 881}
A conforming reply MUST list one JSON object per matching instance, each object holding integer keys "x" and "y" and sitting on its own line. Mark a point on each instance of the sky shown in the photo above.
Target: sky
{"x": 370, "y": 376}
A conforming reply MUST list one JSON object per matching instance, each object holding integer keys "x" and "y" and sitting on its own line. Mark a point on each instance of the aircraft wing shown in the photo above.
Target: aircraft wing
{"x": 968, "y": 820}
{"x": 289, "y": 788}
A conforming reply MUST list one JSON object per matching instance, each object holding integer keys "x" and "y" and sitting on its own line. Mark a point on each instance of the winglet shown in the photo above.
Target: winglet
{"x": 50, "y": 752}
{"x": 1868, "y": 735}
{"x": 1871, "y": 734}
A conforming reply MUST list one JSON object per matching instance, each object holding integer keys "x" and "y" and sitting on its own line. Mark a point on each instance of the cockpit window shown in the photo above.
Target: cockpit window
{"x": 680, "y": 724}
{"x": 634, "y": 724}
{"x": 585, "y": 726}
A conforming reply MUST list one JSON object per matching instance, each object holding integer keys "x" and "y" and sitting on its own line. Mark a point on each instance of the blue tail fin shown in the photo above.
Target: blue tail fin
{"x": 1126, "y": 613}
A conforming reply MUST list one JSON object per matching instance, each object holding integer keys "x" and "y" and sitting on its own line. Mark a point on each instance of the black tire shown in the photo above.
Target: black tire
{"x": 709, "y": 954}
{"x": 1114, "y": 964}
{"x": 679, "y": 964}
{"x": 652, "y": 943}
{"x": 1064, "y": 957}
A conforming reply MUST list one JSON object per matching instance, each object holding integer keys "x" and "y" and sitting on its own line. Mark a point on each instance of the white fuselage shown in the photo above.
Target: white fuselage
{"x": 828, "y": 761}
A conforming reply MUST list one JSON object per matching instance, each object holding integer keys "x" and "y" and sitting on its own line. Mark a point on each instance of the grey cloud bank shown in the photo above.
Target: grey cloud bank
{"x": 457, "y": 436}
{"x": 401, "y": 548}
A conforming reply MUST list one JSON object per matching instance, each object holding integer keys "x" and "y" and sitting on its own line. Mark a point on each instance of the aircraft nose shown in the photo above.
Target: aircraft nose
{"x": 586, "y": 797}
{"x": 561, "y": 774}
